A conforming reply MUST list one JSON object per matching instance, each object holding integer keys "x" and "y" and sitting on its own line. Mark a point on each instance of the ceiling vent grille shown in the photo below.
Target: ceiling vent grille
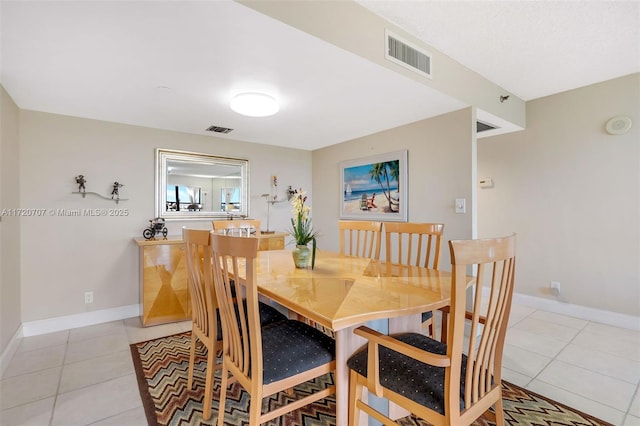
{"x": 218, "y": 129}
{"x": 407, "y": 54}
{"x": 483, "y": 127}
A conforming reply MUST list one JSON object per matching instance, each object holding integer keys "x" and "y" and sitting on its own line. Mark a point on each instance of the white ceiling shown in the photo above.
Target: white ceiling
{"x": 175, "y": 65}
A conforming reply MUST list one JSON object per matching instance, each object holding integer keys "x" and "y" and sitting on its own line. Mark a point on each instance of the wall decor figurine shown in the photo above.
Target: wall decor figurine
{"x": 290, "y": 193}
{"x": 156, "y": 226}
{"x": 115, "y": 192}
{"x": 80, "y": 180}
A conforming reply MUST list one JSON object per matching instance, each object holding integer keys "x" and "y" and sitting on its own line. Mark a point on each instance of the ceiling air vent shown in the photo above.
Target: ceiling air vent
{"x": 408, "y": 55}
{"x": 218, "y": 129}
{"x": 483, "y": 127}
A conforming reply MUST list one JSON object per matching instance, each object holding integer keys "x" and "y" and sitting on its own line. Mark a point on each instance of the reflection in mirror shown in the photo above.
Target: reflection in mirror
{"x": 193, "y": 186}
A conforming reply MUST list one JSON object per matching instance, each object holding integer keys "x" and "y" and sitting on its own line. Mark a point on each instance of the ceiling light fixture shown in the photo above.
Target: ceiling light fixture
{"x": 254, "y": 104}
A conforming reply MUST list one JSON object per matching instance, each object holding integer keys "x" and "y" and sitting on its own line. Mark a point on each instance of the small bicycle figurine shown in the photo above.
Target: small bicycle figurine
{"x": 156, "y": 227}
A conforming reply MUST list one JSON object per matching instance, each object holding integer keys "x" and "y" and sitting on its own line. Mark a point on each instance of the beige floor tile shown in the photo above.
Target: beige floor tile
{"x": 615, "y": 332}
{"x": 95, "y": 347}
{"x": 631, "y": 421}
{"x": 515, "y": 377}
{"x": 96, "y": 402}
{"x": 32, "y": 414}
{"x": 95, "y": 370}
{"x": 184, "y": 326}
{"x": 523, "y": 361}
{"x": 27, "y": 388}
{"x": 601, "y": 362}
{"x": 588, "y": 406}
{"x": 608, "y": 343}
{"x": 136, "y": 333}
{"x": 547, "y": 329}
{"x": 43, "y": 341}
{"x": 560, "y": 319}
{"x": 134, "y": 417}
{"x": 534, "y": 342}
{"x": 591, "y": 385}
{"x": 635, "y": 405}
{"x": 35, "y": 360}
{"x": 518, "y": 313}
{"x": 98, "y": 330}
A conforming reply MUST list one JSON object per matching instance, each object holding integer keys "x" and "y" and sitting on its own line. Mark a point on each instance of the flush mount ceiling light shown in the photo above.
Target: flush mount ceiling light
{"x": 254, "y": 104}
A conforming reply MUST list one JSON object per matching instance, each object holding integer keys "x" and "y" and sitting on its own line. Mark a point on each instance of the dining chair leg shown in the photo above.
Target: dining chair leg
{"x": 355, "y": 394}
{"x": 255, "y": 409}
{"x": 499, "y": 410}
{"x": 223, "y": 395}
{"x": 208, "y": 383}
{"x": 192, "y": 360}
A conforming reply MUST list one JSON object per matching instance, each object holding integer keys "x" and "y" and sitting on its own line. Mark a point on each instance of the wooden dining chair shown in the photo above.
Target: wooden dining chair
{"x": 205, "y": 317}
{"x": 237, "y": 224}
{"x": 418, "y": 244}
{"x": 263, "y": 360}
{"x": 360, "y": 238}
{"x": 445, "y": 384}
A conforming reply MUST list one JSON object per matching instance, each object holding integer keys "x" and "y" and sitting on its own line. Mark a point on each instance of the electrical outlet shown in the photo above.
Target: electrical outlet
{"x": 88, "y": 297}
{"x": 554, "y": 286}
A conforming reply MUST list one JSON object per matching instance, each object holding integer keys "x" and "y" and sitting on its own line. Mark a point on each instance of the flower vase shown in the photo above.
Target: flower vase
{"x": 301, "y": 255}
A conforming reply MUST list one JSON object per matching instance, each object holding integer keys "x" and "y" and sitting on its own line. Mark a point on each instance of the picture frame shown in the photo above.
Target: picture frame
{"x": 375, "y": 187}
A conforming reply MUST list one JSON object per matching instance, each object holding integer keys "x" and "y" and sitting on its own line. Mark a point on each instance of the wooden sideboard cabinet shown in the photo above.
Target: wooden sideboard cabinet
{"x": 273, "y": 241}
{"x": 164, "y": 294}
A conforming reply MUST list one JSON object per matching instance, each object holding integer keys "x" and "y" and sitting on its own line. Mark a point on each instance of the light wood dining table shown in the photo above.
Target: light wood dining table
{"x": 342, "y": 293}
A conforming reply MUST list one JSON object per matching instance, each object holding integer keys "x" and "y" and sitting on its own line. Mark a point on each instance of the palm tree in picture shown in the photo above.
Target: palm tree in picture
{"x": 394, "y": 167}
{"x": 384, "y": 174}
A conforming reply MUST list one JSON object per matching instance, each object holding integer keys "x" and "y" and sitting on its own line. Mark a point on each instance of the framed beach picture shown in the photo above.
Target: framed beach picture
{"x": 375, "y": 188}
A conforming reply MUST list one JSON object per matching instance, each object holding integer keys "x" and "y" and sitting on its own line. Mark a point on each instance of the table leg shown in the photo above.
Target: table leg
{"x": 346, "y": 344}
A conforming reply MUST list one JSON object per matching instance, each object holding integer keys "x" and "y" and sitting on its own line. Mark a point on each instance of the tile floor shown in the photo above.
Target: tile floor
{"x": 85, "y": 376}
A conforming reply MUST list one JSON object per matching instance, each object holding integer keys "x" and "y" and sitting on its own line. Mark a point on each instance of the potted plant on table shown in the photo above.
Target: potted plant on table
{"x": 302, "y": 231}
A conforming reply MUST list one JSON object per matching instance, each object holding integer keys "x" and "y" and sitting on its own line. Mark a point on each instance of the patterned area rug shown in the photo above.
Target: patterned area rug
{"x": 162, "y": 366}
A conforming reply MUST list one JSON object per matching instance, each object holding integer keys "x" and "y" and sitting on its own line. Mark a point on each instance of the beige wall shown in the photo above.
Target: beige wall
{"x": 440, "y": 152}
{"x": 571, "y": 191}
{"x": 9, "y": 226}
{"x": 62, "y": 257}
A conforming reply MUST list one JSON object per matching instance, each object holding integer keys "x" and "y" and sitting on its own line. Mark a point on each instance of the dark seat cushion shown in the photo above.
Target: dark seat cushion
{"x": 268, "y": 315}
{"x": 291, "y": 347}
{"x": 420, "y": 382}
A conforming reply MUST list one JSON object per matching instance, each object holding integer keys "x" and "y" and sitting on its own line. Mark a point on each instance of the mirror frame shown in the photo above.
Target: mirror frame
{"x": 163, "y": 156}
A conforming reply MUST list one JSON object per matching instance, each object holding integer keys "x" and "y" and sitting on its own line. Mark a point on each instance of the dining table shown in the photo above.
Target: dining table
{"x": 341, "y": 293}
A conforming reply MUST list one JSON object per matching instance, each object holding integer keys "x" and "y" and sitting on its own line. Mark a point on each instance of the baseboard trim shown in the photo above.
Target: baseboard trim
{"x": 614, "y": 319}
{"x": 68, "y": 322}
{"x": 10, "y": 350}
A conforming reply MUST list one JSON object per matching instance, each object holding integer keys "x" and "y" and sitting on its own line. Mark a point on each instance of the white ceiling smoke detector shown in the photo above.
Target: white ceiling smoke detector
{"x": 618, "y": 125}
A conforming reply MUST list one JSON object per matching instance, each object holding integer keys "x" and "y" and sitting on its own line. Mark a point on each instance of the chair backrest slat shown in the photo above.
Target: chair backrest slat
{"x": 405, "y": 243}
{"x": 362, "y": 238}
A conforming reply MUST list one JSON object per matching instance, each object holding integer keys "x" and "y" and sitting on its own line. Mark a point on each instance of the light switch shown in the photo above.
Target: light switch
{"x": 461, "y": 205}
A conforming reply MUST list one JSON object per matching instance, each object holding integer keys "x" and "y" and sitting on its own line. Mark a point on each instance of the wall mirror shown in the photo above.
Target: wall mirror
{"x": 190, "y": 185}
